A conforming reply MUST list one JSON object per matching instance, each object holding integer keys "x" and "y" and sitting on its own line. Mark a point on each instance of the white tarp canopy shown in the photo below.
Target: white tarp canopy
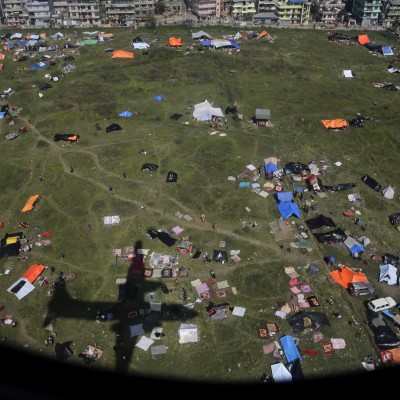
{"x": 140, "y": 45}
{"x": 218, "y": 43}
{"x": 388, "y": 192}
{"x": 280, "y": 373}
{"x": 205, "y": 111}
{"x": 388, "y": 273}
{"x": 200, "y": 34}
{"x": 347, "y": 73}
{"x": 21, "y": 288}
{"x": 111, "y": 220}
{"x": 188, "y": 333}
{"x": 16, "y": 36}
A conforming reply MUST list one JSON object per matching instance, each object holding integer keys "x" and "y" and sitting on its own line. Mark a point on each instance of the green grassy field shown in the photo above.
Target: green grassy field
{"x": 297, "y": 75}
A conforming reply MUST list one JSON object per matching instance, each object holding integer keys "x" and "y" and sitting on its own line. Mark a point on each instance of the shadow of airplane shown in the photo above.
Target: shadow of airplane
{"x": 131, "y": 300}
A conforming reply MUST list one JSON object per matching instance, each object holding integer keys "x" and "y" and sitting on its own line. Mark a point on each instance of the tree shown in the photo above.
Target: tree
{"x": 159, "y": 8}
{"x": 151, "y": 20}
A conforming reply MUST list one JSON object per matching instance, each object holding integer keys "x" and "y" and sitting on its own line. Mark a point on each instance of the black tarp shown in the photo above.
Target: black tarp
{"x": 390, "y": 259}
{"x": 321, "y": 221}
{"x": 390, "y": 87}
{"x": 296, "y": 167}
{"x": 336, "y": 236}
{"x": 45, "y": 86}
{"x": 296, "y": 321}
{"x": 384, "y": 336}
{"x": 23, "y": 58}
{"x": 394, "y": 218}
{"x": 371, "y": 182}
{"x": 149, "y": 167}
{"x": 339, "y": 187}
{"x": 10, "y": 250}
{"x": 176, "y": 116}
{"x": 63, "y": 350}
{"x": 230, "y": 110}
{"x": 172, "y": 176}
{"x": 163, "y": 236}
{"x": 137, "y": 39}
{"x": 113, "y": 127}
{"x": 371, "y": 46}
{"x": 296, "y": 370}
{"x": 220, "y": 256}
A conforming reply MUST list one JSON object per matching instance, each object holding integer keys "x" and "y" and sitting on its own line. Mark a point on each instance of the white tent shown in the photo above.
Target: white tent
{"x": 188, "y": 333}
{"x": 140, "y": 45}
{"x": 205, "y": 111}
{"x": 388, "y": 192}
{"x": 21, "y": 288}
{"x": 280, "y": 373}
{"x": 388, "y": 273}
{"x": 347, "y": 73}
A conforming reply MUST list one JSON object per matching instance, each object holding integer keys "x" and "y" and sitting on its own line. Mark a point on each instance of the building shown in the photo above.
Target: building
{"x": 265, "y": 18}
{"x": 128, "y": 12}
{"x": 264, "y": 6}
{"x": 328, "y": 11}
{"x": 14, "y": 13}
{"x": 367, "y": 12}
{"x": 294, "y": 12}
{"x": 243, "y": 8}
{"x": 390, "y": 12}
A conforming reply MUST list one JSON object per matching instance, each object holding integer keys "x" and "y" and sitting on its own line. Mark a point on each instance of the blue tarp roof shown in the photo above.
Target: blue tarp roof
{"x": 290, "y": 349}
{"x": 10, "y": 45}
{"x": 125, "y": 114}
{"x": 206, "y": 43}
{"x": 234, "y": 44}
{"x": 22, "y": 43}
{"x": 288, "y": 209}
{"x": 387, "y": 51}
{"x": 244, "y": 184}
{"x": 270, "y": 168}
{"x": 158, "y": 98}
{"x": 284, "y": 196}
{"x": 38, "y": 66}
{"x": 356, "y": 248}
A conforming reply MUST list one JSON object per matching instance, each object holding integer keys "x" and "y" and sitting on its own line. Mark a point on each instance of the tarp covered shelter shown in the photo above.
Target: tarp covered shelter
{"x": 270, "y": 168}
{"x": 334, "y": 123}
{"x": 175, "y": 42}
{"x": 113, "y": 128}
{"x": 371, "y": 182}
{"x": 69, "y": 137}
{"x": 363, "y": 39}
{"x": 30, "y": 204}
{"x": 125, "y": 114}
{"x": 321, "y": 221}
{"x": 149, "y": 167}
{"x": 283, "y": 197}
{"x": 10, "y": 244}
{"x": 337, "y": 235}
{"x": 288, "y": 209}
{"x": 205, "y": 111}
{"x": 122, "y": 54}
{"x": 387, "y": 51}
{"x": 33, "y": 272}
{"x": 172, "y": 176}
{"x": 140, "y": 45}
{"x": 163, "y": 236}
{"x": 290, "y": 349}
{"x": 200, "y": 35}
{"x": 188, "y": 333}
{"x": 220, "y": 256}
{"x": 388, "y": 273}
{"x": 348, "y": 73}
{"x": 344, "y": 276}
{"x": 297, "y": 321}
{"x": 353, "y": 245}
{"x": 388, "y": 192}
{"x": 21, "y": 288}
{"x": 63, "y": 350}
{"x": 280, "y": 373}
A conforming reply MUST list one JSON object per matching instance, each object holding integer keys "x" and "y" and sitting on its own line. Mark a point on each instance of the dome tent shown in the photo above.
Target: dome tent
{"x": 388, "y": 192}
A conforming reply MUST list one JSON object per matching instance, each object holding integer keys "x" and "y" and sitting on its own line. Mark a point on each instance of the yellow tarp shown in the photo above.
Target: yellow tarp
{"x": 12, "y": 240}
{"x": 30, "y": 204}
{"x": 347, "y": 276}
{"x": 334, "y": 123}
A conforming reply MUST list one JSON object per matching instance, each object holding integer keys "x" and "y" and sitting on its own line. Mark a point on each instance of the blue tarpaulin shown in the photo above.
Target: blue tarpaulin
{"x": 290, "y": 349}
{"x": 125, "y": 114}
{"x": 10, "y": 45}
{"x": 288, "y": 209}
{"x": 158, "y": 98}
{"x": 244, "y": 184}
{"x": 284, "y": 196}
{"x": 270, "y": 168}
{"x": 387, "y": 51}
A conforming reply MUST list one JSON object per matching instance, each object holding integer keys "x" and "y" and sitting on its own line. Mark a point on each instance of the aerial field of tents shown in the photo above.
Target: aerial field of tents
{"x": 193, "y": 192}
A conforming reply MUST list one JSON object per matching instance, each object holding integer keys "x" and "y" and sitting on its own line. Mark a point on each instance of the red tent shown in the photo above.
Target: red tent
{"x": 32, "y": 273}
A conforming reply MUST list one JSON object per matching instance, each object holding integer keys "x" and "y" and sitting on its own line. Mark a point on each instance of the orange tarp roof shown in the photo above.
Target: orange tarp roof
{"x": 122, "y": 54}
{"x": 173, "y": 41}
{"x": 334, "y": 123}
{"x": 2, "y": 56}
{"x": 106, "y": 35}
{"x": 263, "y": 33}
{"x": 33, "y": 272}
{"x": 347, "y": 276}
{"x": 73, "y": 138}
{"x": 363, "y": 39}
{"x": 30, "y": 204}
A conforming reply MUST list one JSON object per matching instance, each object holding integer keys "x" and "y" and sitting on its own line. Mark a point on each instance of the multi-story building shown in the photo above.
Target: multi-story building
{"x": 265, "y": 18}
{"x": 293, "y": 12}
{"x": 367, "y": 12}
{"x": 265, "y": 6}
{"x": 39, "y": 12}
{"x": 14, "y": 12}
{"x": 128, "y": 12}
{"x": 203, "y": 9}
{"x": 85, "y": 13}
{"x": 243, "y": 8}
{"x": 390, "y": 12}
{"x": 328, "y": 11}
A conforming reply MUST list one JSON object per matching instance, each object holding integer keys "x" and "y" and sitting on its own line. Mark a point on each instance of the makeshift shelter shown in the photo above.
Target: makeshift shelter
{"x": 387, "y": 51}
{"x": 104, "y": 37}
{"x": 262, "y": 116}
{"x": 371, "y": 182}
{"x": 347, "y": 73}
{"x": 353, "y": 245}
{"x": 288, "y": 209}
{"x": 172, "y": 176}
{"x": 345, "y": 276}
{"x": 163, "y": 236}
{"x": 188, "y": 333}
{"x": 113, "y": 128}
{"x": 175, "y": 42}
{"x": 388, "y": 273}
{"x": 69, "y": 137}
{"x": 388, "y": 192}
{"x": 280, "y": 373}
{"x": 10, "y": 244}
{"x": 394, "y": 218}
{"x": 21, "y": 288}
{"x": 149, "y": 167}
{"x": 125, "y": 114}
{"x": 363, "y": 39}
{"x": 63, "y": 350}
{"x": 140, "y": 45}
{"x": 31, "y": 203}
{"x": 303, "y": 319}
{"x": 321, "y": 221}
{"x": 335, "y": 123}
{"x": 290, "y": 349}
{"x": 270, "y": 168}
{"x": 220, "y": 256}
{"x": 206, "y": 112}
{"x": 263, "y": 34}
{"x": 122, "y": 54}
{"x": 33, "y": 272}
{"x": 200, "y": 35}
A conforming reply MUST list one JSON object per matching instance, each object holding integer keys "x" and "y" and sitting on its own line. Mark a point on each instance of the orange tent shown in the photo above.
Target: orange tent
{"x": 334, "y": 123}
{"x": 122, "y": 54}
{"x": 363, "y": 39}
{"x": 347, "y": 276}
{"x": 263, "y": 34}
{"x": 73, "y": 138}
{"x": 175, "y": 42}
{"x": 32, "y": 273}
{"x": 30, "y": 204}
